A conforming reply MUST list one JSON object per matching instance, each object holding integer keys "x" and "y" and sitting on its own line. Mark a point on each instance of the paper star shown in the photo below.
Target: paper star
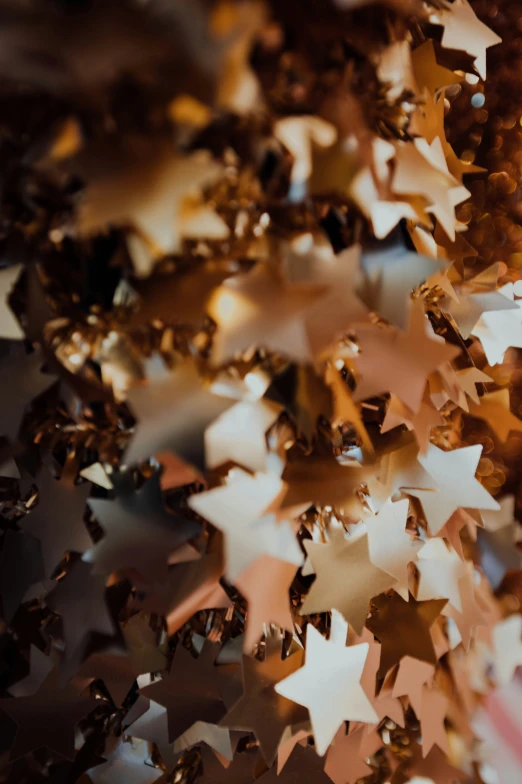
{"x": 47, "y": 718}
{"x": 80, "y": 601}
{"x": 261, "y": 709}
{"x": 298, "y": 134}
{"x": 190, "y": 692}
{"x": 153, "y": 727}
{"x": 346, "y": 579}
{"x": 392, "y": 361}
{"x": 471, "y": 615}
{"x": 139, "y": 532}
{"x": 403, "y": 628}
{"x": 189, "y": 588}
{"x": 239, "y": 434}
{"x": 454, "y": 473}
{"x": 494, "y": 409}
{"x": 57, "y": 520}
{"x": 434, "y": 707}
{"x": 507, "y": 649}
{"x": 463, "y": 30}
{"x": 440, "y": 570}
{"x": 391, "y": 548}
{"x": 344, "y": 764}
{"x": 390, "y": 273}
{"x": 421, "y": 423}
{"x": 265, "y": 585}
{"x": 159, "y": 195}
{"x": 384, "y": 704}
{"x": 497, "y": 330}
{"x": 340, "y": 697}
{"x": 436, "y": 767}
{"x": 9, "y": 325}
{"x": 469, "y": 378}
{"x": 412, "y": 674}
{"x": 428, "y": 73}
{"x": 157, "y": 430}
{"x": 476, "y": 296}
{"x": 241, "y": 771}
{"x": 242, "y": 510}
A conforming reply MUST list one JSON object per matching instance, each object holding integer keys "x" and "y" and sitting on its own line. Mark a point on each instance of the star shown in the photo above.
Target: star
{"x": 412, "y": 674}
{"x": 420, "y": 423}
{"x": 344, "y": 764}
{"x": 139, "y": 532}
{"x": 152, "y": 726}
{"x": 157, "y": 430}
{"x": 436, "y": 767}
{"x": 498, "y": 330}
{"x": 240, "y": 771}
{"x": 189, "y": 588}
{"x": 80, "y": 601}
{"x": 476, "y": 296}
{"x": 471, "y": 615}
{"x": 261, "y": 709}
{"x": 403, "y": 629}
{"x": 9, "y": 325}
{"x": 47, "y": 718}
{"x": 391, "y": 548}
{"x": 464, "y": 30}
{"x": 329, "y": 686}
{"x": 303, "y": 765}
{"x": 265, "y": 585}
{"x": 384, "y": 704}
{"x": 298, "y": 134}
{"x": 57, "y": 520}
{"x": 243, "y": 511}
{"x": 160, "y": 195}
{"x": 440, "y": 570}
{"x": 494, "y": 409}
{"x": 507, "y": 649}
{"x": 469, "y": 378}
{"x": 433, "y": 711}
{"x": 454, "y": 474}
{"x": 239, "y": 435}
{"x": 190, "y": 692}
{"x": 390, "y": 273}
{"x": 392, "y": 361}
{"x": 429, "y": 75}
{"x": 346, "y": 579}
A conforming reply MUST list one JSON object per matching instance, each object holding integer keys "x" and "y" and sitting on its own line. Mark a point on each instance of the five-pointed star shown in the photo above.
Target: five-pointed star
{"x": 258, "y": 309}
{"x": 433, "y": 711}
{"x": 464, "y": 30}
{"x": 476, "y": 297}
{"x": 346, "y": 579}
{"x": 188, "y": 588}
{"x": 393, "y": 361}
{"x": 239, "y": 434}
{"x": 499, "y": 330}
{"x": 412, "y": 674}
{"x": 384, "y": 704}
{"x": 242, "y": 510}
{"x": 454, "y": 474}
{"x": 265, "y": 585}
{"x": 403, "y": 629}
{"x": 139, "y": 532}
{"x": 160, "y": 196}
{"x": 80, "y": 601}
{"x": 420, "y": 423}
{"x": 507, "y": 648}
{"x": 344, "y": 763}
{"x": 298, "y": 134}
{"x": 182, "y": 391}
{"x": 9, "y": 326}
{"x": 261, "y": 709}
{"x": 429, "y": 75}
{"x": 391, "y": 548}
{"x": 469, "y": 378}
{"x": 48, "y": 717}
{"x": 127, "y": 763}
{"x": 471, "y": 615}
{"x": 190, "y": 692}
{"x": 57, "y": 520}
{"x": 495, "y": 410}
{"x": 329, "y": 686}
{"x": 390, "y": 274}
{"x": 440, "y": 570}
